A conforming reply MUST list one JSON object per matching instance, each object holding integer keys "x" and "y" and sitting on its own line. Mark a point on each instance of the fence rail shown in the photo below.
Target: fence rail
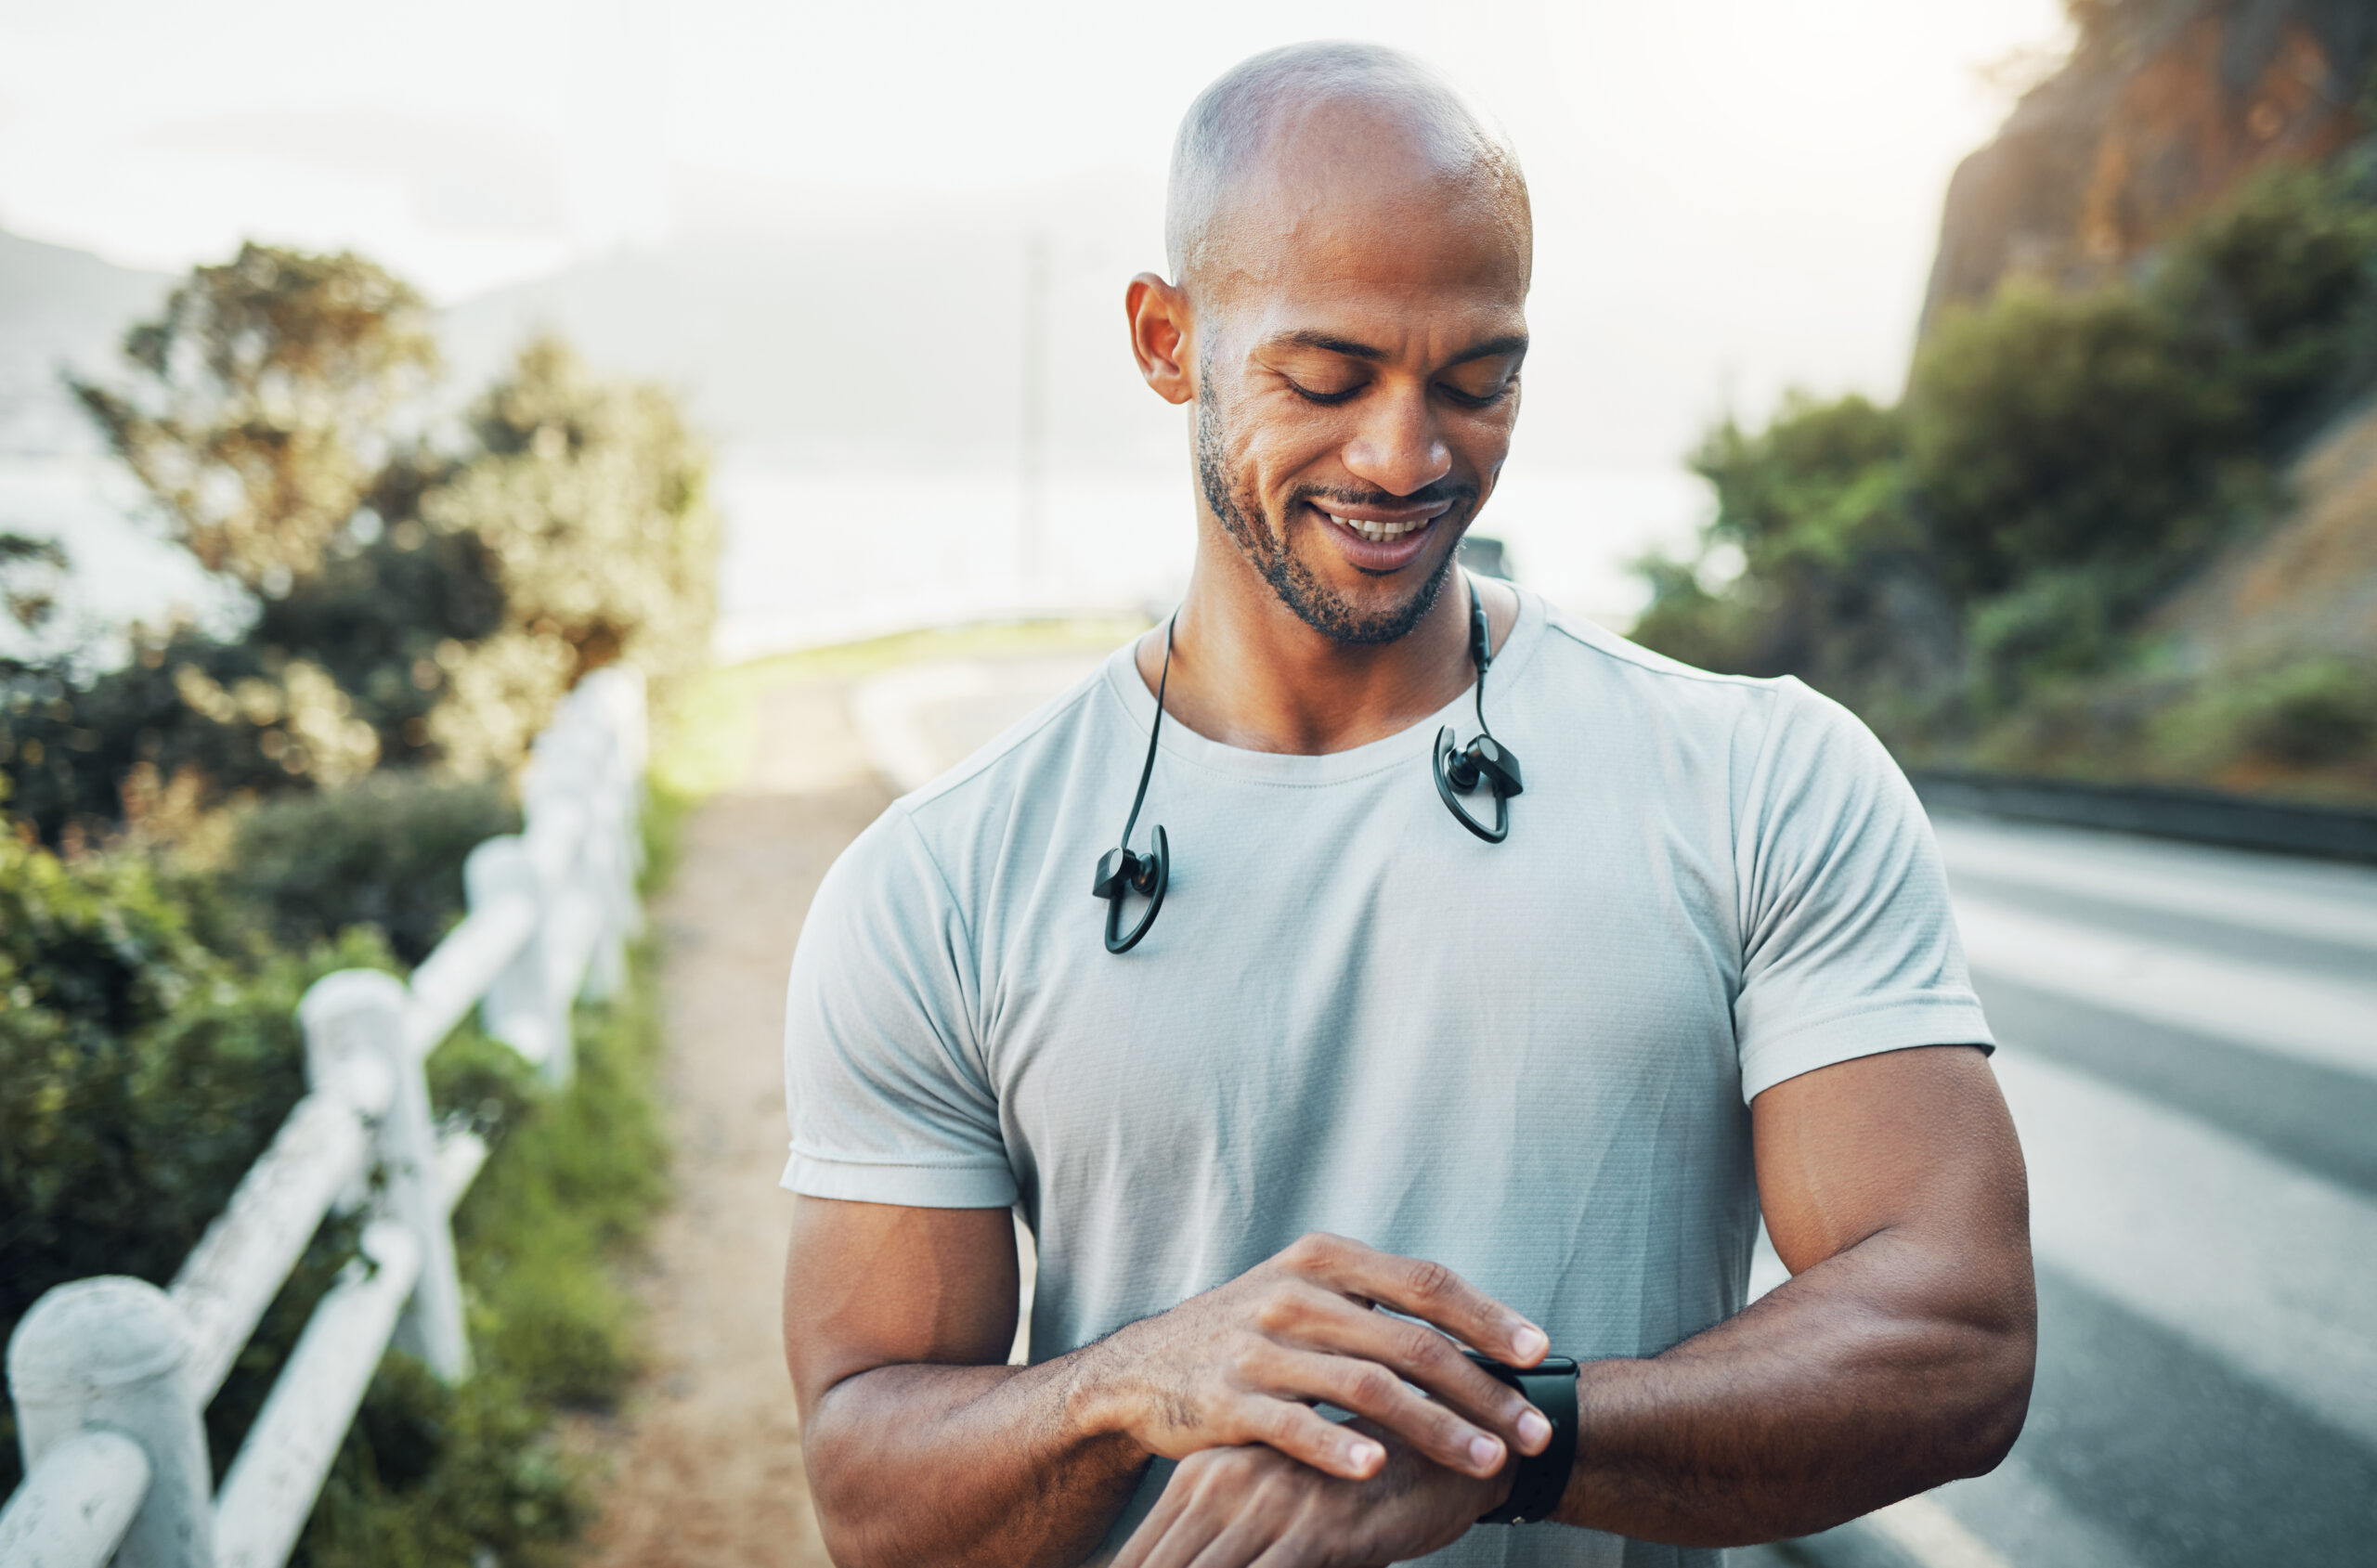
{"x": 110, "y": 1377}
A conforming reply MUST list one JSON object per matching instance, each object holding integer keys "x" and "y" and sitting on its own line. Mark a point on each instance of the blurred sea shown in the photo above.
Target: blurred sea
{"x": 820, "y": 557}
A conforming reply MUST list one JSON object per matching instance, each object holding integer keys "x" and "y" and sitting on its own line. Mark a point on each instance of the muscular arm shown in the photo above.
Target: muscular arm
{"x": 1898, "y": 1356}
{"x": 923, "y": 1448}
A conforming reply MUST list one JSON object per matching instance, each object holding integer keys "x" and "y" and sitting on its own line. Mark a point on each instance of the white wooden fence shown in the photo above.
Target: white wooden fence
{"x": 109, "y": 1376}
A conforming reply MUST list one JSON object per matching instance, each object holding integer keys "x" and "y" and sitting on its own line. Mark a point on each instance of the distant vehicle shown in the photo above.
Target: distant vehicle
{"x": 1486, "y": 556}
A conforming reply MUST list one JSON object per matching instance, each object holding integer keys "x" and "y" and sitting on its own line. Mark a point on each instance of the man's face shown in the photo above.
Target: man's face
{"x": 1358, "y": 381}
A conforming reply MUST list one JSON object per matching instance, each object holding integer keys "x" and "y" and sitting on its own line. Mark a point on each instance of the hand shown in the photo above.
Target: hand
{"x": 1228, "y": 1508}
{"x": 1243, "y": 1363}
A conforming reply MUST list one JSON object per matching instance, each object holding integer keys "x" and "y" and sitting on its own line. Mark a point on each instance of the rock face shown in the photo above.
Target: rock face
{"x": 2164, "y": 108}
{"x": 2306, "y": 583}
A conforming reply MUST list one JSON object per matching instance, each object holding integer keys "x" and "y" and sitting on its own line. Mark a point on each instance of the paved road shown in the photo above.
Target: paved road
{"x": 2190, "y": 1051}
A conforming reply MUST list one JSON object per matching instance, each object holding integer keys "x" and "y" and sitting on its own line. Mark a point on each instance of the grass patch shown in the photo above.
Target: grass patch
{"x": 708, "y": 737}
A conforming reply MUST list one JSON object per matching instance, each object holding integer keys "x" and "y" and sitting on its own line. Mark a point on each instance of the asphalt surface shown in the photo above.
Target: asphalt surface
{"x": 2189, "y": 1046}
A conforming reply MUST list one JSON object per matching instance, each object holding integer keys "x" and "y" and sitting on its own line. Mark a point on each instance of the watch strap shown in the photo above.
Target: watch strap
{"x": 1539, "y": 1479}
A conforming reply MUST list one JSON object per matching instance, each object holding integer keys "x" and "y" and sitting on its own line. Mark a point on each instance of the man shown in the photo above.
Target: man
{"x": 1372, "y": 1084}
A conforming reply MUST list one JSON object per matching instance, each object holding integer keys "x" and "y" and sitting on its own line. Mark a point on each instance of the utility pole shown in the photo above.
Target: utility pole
{"x": 1031, "y": 426}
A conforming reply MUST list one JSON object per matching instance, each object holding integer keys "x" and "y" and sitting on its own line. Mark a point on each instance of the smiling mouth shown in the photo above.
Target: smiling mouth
{"x": 1377, "y": 533}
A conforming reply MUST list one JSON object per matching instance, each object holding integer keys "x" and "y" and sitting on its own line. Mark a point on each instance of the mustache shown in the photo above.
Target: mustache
{"x": 1452, "y": 491}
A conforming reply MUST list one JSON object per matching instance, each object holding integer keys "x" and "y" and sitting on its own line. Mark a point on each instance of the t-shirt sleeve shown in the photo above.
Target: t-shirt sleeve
{"x": 885, "y": 1084}
{"x": 1849, "y": 946}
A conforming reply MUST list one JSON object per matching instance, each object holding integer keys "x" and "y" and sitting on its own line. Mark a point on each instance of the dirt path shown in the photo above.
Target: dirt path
{"x": 704, "y": 1455}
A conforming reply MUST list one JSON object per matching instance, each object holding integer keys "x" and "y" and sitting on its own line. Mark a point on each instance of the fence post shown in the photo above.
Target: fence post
{"x": 614, "y": 699}
{"x": 113, "y": 1354}
{"x": 361, "y": 1013}
{"x": 610, "y": 863}
{"x": 521, "y": 1009}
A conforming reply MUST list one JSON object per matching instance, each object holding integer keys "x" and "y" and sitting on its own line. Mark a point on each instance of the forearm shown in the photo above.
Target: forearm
{"x": 1883, "y": 1370}
{"x": 985, "y": 1467}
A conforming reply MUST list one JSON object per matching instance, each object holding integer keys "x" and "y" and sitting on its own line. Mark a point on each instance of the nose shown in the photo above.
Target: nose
{"x": 1398, "y": 447}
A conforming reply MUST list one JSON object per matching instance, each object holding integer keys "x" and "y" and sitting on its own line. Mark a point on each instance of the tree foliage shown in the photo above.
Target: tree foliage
{"x": 586, "y": 500}
{"x": 416, "y": 602}
{"x": 28, "y": 590}
{"x": 257, "y": 415}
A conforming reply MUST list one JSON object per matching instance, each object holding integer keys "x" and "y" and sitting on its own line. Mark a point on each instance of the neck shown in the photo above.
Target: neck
{"x": 1248, "y": 672}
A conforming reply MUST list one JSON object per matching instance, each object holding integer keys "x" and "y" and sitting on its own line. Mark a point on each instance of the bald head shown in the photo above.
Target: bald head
{"x": 1309, "y": 123}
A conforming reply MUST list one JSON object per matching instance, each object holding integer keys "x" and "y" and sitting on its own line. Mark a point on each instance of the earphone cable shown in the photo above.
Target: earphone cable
{"x": 1478, "y": 639}
{"x": 1147, "y": 769}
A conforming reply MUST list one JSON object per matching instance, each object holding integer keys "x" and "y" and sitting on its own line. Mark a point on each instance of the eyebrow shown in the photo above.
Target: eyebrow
{"x": 1514, "y": 342}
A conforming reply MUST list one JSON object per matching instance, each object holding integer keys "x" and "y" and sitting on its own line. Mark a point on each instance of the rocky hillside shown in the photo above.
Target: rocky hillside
{"x": 2164, "y": 108}
{"x": 2308, "y": 582}
{"x": 2123, "y": 524}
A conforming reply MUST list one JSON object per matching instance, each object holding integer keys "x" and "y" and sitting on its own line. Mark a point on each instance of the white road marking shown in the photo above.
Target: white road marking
{"x": 2311, "y": 1017}
{"x": 1929, "y": 1533}
{"x": 2263, "y": 1266}
{"x": 2318, "y": 900}
{"x": 2029, "y": 1522}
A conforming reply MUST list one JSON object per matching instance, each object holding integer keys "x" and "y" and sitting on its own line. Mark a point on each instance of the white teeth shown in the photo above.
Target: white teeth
{"x": 1377, "y": 533}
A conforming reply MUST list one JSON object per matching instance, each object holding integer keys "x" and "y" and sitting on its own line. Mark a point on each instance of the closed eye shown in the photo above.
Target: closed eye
{"x": 1479, "y": 400}
{"x": 1309, "y": 396}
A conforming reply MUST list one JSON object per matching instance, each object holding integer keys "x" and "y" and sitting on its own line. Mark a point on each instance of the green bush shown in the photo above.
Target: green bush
{"x": 2307, "y": 713}
{"x": 149, "y": 1053}
{"x": 2274, "y": 289}
{"x": 386, "y": 852}
{"x": 2050, "y": 430}
{"x": 431, "y": 1477}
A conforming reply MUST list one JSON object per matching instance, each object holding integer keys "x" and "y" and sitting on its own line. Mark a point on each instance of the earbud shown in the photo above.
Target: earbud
{"x": 1485, "y": 761}
{"x": 1125, "y": 871}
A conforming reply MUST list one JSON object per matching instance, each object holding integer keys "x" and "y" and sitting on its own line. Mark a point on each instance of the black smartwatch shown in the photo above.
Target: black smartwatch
{"x": 1551, "y": 1386}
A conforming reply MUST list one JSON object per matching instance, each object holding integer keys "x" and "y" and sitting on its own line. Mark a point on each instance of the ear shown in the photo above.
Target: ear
{"x": 1159, "y": 314}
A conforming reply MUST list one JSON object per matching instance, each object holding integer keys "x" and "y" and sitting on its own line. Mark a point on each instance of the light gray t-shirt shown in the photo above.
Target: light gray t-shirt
{"x": 1532, "y": 1061}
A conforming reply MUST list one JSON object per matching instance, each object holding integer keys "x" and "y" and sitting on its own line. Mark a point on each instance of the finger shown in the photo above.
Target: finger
{"x": 1371, "y": 1390}
{"x": 1413, "y": 1351}
{"x": 1300, "y": 1432}
{"x": 1238, "y": 1544}
{"x": 1292, "y": 1551}
{"x": 1186, "y": 1537}
{"x": 1219, "y": 1492}
{"x": 1426, "y": 1290}
{"x": 1152, "y": 1529}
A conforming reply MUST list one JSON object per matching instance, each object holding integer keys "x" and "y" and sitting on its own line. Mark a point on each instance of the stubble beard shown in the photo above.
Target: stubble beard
{"x": 1263, "y": 542}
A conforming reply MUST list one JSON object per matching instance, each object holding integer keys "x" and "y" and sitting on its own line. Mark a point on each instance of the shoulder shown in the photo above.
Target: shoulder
{"x": 1576, "y": 647}
{"x": 1779, "y": 730}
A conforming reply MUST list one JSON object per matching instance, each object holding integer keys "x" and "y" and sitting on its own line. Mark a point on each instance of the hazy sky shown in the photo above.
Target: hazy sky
{"x": 1732, "y": 196}
{"x": 1785, "y": 160}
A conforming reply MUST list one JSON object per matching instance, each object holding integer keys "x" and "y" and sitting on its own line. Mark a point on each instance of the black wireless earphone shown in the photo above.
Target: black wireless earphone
{"x": 1120, "y": 870}
{"x": 1123, "y": 870}
{"x": 1485, "y": 759}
